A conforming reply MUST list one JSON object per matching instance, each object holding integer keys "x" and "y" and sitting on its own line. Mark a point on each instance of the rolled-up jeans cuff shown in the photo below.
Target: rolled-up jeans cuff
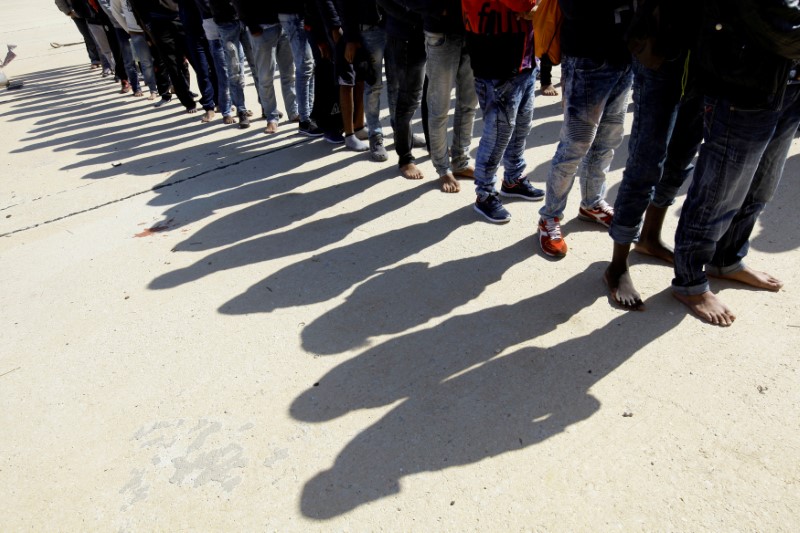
{"x": 691, "y": 290}
{"x": 724, "y": 271}
{"x": 623, "y": 234}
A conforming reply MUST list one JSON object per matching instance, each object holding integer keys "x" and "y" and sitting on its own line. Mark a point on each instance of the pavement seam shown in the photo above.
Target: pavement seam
{"x": 155, "y": 188}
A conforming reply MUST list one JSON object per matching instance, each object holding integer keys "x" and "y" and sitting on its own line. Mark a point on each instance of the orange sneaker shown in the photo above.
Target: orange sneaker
{"x": 602, "y": 213}
{"x": 550, "y": 239}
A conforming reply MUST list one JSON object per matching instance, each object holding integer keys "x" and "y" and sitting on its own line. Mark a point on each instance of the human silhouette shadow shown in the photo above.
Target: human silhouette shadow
{"x": 338, "y": 268}
{"x": 402, "y": 297}
{"x": 461, "y": 400}
{"x": 279, "y": 209}
{"x": 332, "y": 272}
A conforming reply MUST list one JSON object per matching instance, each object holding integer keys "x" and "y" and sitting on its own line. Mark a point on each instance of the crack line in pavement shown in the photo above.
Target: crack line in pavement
{"x": 155, "y": 188}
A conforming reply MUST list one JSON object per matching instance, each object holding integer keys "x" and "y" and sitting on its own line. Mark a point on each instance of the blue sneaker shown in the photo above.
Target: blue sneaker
{"x": 522, "y": 189}
{"x": 492, "y": 209}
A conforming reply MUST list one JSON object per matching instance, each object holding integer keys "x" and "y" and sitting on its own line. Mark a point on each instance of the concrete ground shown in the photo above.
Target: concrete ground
{"x": 236, "y": 332}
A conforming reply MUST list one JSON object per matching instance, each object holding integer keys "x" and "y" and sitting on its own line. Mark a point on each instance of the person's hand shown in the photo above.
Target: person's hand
{"x": 350, "y": 51}
{"x": 324, "y": 50}
{"x": 336, "y": 34}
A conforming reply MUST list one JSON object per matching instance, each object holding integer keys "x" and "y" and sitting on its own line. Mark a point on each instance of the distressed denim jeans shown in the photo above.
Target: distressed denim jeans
{"x": 657, "y": 100}
{"x": 233, "y": 35}
{"x": 142, "y": 53}
{"x": 507, "y": 115}
{"x": 266, "y": 54}
{"x": 595, "y": 101}
{"x": 303, "y": 62}
{"x": 738, "y": 169}
{"x": 449, "y": 67}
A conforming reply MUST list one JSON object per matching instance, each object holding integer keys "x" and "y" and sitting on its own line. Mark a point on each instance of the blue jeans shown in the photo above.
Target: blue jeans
{"x": 405, "y": 73}
{"x": 233, "y": 36}
{"x": 220, "y": 66}
{"x": 507, "y": 115}
{"x": 265, "y": 55}
{"x": 656, "y": 99}
{"x": 738, "y": 170}
{"x": 129, "y": 63}
{"x": 303, "y": 62}
{"x": 374, "y": 42}
{"x": 142, "y": 52}
{"x": 448, "y": 67}
{"x": 595, "y": 101}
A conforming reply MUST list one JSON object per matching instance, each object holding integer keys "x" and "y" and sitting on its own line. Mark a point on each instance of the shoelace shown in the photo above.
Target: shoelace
{"x": 605, "y": 208}
{"x": 553, "y": 229}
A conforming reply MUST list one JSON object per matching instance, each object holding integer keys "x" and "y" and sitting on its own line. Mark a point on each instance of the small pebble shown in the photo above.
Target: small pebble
{"x": 627, "y": 414}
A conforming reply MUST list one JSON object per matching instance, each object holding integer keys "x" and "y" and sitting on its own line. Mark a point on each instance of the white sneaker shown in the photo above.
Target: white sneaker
{"x": 362, "y": 134}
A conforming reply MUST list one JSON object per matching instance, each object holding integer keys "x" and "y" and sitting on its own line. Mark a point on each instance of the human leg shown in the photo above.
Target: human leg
{"x": 285, "y": 61}
{"x": 406, "y": 59}
{"x": 263, "y": 46}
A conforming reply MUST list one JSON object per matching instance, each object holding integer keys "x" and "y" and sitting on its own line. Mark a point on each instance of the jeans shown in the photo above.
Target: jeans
{"x": 223, "y": 90}
{"x": 142, "y": 52}
{"x": 128, "y": 61}
{"x": 265, "y": 53}
{"x": 507, "y": 115}
{"x": 303, "y": 62}
{"x": 656, "y": 99}
{"x": 448, "y": 67}
{"x": 103, "y": 46}
{"x": 91, "y": 48}
{"x": 199, "y": 55}
{"x": 405, "y": 72}
{"x": 738, "y": 169}
{"x": 233, "y": 35}
{"x": 595, "y": 101}
{"x": 374, "y": 42}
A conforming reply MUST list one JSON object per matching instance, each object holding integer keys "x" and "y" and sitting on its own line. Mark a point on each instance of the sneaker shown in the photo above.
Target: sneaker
{"x": 522, "y": 189}
{"x": 310, "y": 128}
{"x": 244, "y": 119}
{"x": 418, "y": 141}
{"x": 334, "y": 137}
{"x": 362, "y": 133}
{"x": 164, "y": 100}
{"x": 492, "y": 209}
{"x": 376, "y": 149}
{"x": 602, "y": 213}
{"x": 107, "y": 72}
{"x": 295, "y": 118}
{"x": 125, "y": 87}
{"x": 550, "y": 239}
{"x": 354, "y": 143}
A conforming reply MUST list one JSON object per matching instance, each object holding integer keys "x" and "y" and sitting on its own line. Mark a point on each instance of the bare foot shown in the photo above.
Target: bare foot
{"x": 272, "y": 127}
{"x": 467, "y": 173}
{"x": 707, "y": 307}
{"x": 411, "y": 172}
{"x": 754, "y": 278}
{"x": 658, "y": 249}
{"x": 191, "y": 110}
{"x": 449, "y": 183}
{"x": 208, "y": 116}
{"x": 228, "y": 120}
{"x": 549, "y": 90}
{"x": 622, "y": 290}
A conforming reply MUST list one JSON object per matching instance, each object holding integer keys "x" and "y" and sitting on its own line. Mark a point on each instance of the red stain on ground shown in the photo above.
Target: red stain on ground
{"x": 164, "y": 226}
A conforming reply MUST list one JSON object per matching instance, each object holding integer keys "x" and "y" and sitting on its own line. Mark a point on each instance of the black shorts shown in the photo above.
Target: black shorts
{"x": 361, "y": 69}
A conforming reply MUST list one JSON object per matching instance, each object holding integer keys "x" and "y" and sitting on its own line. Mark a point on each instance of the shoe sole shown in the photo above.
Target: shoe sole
{"x": 309, "y": 134}
{"x": 550, "y": 254}
{"x": 589, "y": 218}
{"x": 515, "y": 195}
{"x": 331, "y": 141}
{"x": 379, "y": 158}
{"x": 490, "y": 219}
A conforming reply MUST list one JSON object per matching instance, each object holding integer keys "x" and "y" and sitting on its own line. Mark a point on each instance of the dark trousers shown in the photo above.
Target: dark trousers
{"x": 405, "y": 72}
{"x": 91, "y": 49}
{"x": 170, "y": 41}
